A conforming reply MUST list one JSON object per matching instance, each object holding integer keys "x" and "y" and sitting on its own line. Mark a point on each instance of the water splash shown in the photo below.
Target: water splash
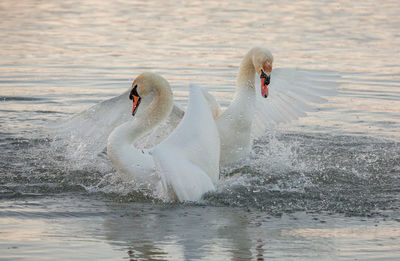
{"x": 285, "y": 172}
{"x": 290, "y": 172}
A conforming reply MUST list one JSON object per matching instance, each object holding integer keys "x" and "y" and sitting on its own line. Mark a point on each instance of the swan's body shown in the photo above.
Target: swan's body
{"x": 187, "y": 162}
{"x": 234, "y": 127}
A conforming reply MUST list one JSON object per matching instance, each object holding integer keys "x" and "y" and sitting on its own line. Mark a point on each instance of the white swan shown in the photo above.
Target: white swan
{"x": 291, "y": 93}
{"x": 187, "y": 162}
{"x": 234, "y": 124}
{"x": 249, "y": 114}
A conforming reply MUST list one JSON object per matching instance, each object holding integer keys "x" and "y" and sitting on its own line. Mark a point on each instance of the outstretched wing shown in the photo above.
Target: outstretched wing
{"x": 292, "y": 93}
{"x": 188, "y": 160}
{"x": 90, "y": 129}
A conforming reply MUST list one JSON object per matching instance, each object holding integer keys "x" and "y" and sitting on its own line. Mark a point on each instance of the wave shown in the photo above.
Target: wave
{"x": 19, "y": 98}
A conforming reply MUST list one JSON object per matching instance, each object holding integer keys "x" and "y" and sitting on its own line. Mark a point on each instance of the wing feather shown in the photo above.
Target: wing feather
{"x": 89, "y": 130}
{"x": 188, "y": 160}
{"x": 292, "y": 94}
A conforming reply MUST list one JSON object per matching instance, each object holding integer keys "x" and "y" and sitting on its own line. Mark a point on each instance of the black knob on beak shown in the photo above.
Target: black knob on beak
{"x": 133, "y": 92}
{"x": 266, "y": 77}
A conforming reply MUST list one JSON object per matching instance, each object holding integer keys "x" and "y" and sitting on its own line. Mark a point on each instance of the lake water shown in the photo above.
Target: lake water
{"x": 325, "y": 187}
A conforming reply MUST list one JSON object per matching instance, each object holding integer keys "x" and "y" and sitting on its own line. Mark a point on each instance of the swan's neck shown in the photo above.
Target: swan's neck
{"x": 244, "y": 97}
{"x": 246, "y": 74}
{"x": 239, "y": 115}
{"x": 120, "y": 142}
{"x": 155, "y": 113}
{"x": 237, "y": 119}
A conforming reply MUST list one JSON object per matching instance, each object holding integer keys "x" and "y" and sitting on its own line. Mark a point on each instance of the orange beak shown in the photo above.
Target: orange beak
{"x": 265, "y": 79}
{"x": 264, "y": 88}
{"x": 136, "y": 102}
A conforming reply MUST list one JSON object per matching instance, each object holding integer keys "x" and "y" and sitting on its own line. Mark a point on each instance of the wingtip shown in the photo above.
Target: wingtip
{"x": 195, "y": 89}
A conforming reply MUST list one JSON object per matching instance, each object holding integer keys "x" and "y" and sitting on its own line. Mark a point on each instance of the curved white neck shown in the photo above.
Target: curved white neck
{"x": 246, "y": 73}
{"x": 120, "y": 142}
{"x": 154, "y": 114}
{"x": 245, "y": 93}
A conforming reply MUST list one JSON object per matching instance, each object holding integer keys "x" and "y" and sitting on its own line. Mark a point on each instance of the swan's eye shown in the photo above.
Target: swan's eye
{"x": 133, "y": 92}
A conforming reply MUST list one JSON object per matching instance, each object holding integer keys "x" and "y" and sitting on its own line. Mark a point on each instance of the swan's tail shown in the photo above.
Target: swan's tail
{"x": 180, "y": 177}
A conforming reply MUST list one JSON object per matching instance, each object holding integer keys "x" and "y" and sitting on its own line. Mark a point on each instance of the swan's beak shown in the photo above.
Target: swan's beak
{"x": 136, "y": 102}
{"x": 265, "y": 79}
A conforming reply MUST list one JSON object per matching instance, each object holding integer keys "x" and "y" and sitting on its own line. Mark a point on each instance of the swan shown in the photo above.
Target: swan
{"x": 234, "y": 124}
{"x": 264, "y": 97}
{"x": 250, "y": 113}
{"x": 186, "y": 163}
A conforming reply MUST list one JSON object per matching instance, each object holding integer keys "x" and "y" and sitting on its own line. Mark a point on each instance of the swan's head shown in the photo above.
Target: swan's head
{"x": 262, "y": 61}
{"x": 143, "y": 85}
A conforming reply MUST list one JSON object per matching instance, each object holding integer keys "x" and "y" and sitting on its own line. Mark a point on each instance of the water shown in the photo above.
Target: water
{"x": 325, "y": 187}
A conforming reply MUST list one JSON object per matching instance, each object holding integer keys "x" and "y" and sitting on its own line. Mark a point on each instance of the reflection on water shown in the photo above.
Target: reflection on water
{"x": 207, "y": 233}
{"x": 110, "y": 230}
{"x": 186, "y": 233}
